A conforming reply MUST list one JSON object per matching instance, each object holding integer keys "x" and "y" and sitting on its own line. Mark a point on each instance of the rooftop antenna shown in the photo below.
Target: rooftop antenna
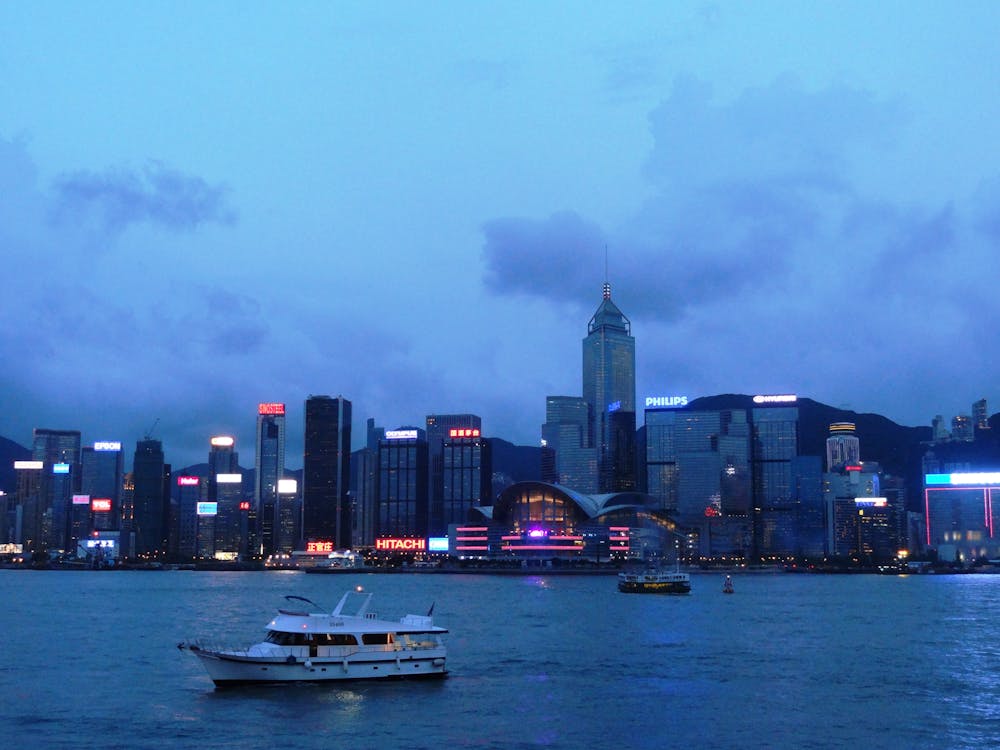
{"x": 607, "y": 284}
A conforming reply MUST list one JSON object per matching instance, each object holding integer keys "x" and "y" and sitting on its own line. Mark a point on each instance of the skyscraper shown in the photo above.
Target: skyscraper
{"x": 150, "y": 506}
{"x": 60, "y": 450}
{"x": 270, "y": 467}
{"x": 467, "y": 480}
{"x": 567, "y": 433}
{"x": 225, "y": 489}
{"x": 402, "y": 483}
{"x": 609, "y": 389}
{"x": 842, "y": 447}
{"x": 439, "y": 428}
{"x": 326, "y": 471}
{"x": 101, "y": 478}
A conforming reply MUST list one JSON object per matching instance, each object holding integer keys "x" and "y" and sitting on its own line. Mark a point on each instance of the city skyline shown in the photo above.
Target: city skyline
{"x": 412, "y": 210}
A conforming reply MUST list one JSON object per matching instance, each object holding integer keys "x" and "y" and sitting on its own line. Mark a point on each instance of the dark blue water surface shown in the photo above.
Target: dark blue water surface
{"x": 789, "y": 661}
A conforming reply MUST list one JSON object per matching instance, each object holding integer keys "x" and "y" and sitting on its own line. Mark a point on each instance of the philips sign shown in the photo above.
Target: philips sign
{"x": 669, "y": 402}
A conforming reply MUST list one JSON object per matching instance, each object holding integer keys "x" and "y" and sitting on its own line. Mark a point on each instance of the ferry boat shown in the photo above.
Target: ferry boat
{"x": 654, "y": 582}
{"x": 311, "y": 646}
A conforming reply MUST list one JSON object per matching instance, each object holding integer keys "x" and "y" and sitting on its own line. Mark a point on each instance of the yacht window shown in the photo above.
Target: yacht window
{"x": 374, "y": 639}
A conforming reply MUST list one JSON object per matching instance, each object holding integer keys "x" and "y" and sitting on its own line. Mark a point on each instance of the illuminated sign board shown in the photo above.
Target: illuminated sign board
{"x": 106, "y": 543}
{"x": 28, "y": 465}
{"x": 461, "y": 432}
{"x": 272, "y": 409}
{"x": 779, "y": 399}
{"x": 204, "y": 508}
{"x": 842, "y": 427}
{"x": 11, "y": 549}
{"x": 81, "y": 499}
{"x": 288, "y": 486}
{"x": 437, "y": 544}
{"x": 188, "y": 481}
{"x": 537, "y": 533}
{"x": 853, "y": 467}
{"x": 401, "y": 545}
{"x": 245, "y": 505}
{"x": 228, "y": 478}
{"x": 972, "y": 478}
{"x": 107, "y": 445}
{"x": 60, "y": 468}
{"x": 400, "y": 434}
{"x": 870, "y": 502}
{"x": 615, "y": 405}
{"x": 319, "y": 547}
{"x": 100, "y": 505}
{"x": 223, "y": 441}
{"x": 665, "y": 401}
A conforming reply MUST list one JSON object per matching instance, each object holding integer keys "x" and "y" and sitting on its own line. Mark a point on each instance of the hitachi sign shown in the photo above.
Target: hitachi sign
{"x": 409, "y": 545}
{"x": 660, "y": 401}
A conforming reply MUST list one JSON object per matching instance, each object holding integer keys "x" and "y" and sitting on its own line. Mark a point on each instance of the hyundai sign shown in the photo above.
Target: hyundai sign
{"x": 785, "y": 398}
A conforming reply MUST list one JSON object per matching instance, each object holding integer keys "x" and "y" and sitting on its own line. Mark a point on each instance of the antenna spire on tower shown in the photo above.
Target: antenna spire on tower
{"x": 607, "y": 284}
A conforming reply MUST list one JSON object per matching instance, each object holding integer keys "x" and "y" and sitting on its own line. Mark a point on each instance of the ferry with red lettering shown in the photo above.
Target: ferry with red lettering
{"x": 316, "y": 646}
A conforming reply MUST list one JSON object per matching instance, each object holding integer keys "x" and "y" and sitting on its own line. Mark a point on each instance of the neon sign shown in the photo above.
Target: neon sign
{"x": 271, "y": 409}
{"x": 107, "y": 445}
{"x": 188, "y": 481}
{"x": 81, "y": 499}
{"x": 974, "y": 478}
{"x": 401, "y": 545}
{"x": 615, "y": 405}
{"x": 461, "y": 432}
{"x": 314, "y": 547}
{"x": 60, "y": 468}
{"x": 437, "y": 544}
{"x": 787, "y": 398}
{"x": 228, "y": 478}
{"x": 400, "y": 434}
{"x": 670, "y": 401}
{"x": 245, "y": 505}
{"x": 100, "y": 505}
{"x": 222, "y": 441}
{"x": 852, "y": 467}
{"x": 288, "y": 486}
{"x": 870, "y": 502}
{"x": 29, "y": 464}
{"x": 204, "y": 508}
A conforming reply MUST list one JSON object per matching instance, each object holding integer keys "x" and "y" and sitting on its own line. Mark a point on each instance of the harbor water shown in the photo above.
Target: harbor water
{"x": 90, "y": 659}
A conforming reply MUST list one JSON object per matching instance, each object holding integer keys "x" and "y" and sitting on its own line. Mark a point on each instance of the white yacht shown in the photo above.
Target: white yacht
{"x": 307, "y": 646}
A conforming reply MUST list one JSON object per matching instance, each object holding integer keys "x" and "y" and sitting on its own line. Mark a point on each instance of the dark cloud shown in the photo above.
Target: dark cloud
{"x": 556, "y": 258}
{"x": 157, "y": 194}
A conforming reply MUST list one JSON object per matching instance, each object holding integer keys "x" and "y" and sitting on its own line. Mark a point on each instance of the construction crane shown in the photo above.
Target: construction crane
{"x": 149, "y": 432}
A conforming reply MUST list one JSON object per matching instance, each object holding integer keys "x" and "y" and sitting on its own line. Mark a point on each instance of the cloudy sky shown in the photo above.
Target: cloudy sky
{"x": 207, "y": 205}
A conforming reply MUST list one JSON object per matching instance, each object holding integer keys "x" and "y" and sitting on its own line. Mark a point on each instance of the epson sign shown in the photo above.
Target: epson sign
{"x": 654, "y": 402}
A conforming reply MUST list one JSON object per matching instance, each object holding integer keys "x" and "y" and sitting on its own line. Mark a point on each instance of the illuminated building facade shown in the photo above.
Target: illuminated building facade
{"x": 402, "y": 484}
{"x": 190, "y": 490}
{"x": 101, "y": 471}
{"x": 842, "y": 491}
{"x": 326, "y": 471}
{"x": 150, "y": 499}
{"x": 289, "y": 525}
{"x": 609, "y": 390}
{"x": 981, "y": 415}
{"x": 269, "y": 464}
{"x": 537, "y": 520}
{"x": 438, "y": 431}
{"x": 467, "y": 475}
{"x": 567, "y": 433}
{"x": 842, "y": 447}
{"x": 962, "y": 515}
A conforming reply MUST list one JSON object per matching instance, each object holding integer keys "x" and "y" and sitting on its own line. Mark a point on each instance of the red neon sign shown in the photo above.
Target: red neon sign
{"x": 319, "y": 546}
{"x": 852, "y": 468}
{"x": 245, "y": 505}
{"x": 463, "y": 432}
{"x": 271, "y": 408}
{"x": 404, "y": 545}
{"x": 100, "y": 504}
{"x": 187, "y": 481}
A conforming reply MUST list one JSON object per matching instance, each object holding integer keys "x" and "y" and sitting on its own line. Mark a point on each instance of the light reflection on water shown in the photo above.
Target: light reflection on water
{"x": 535, "y": 661}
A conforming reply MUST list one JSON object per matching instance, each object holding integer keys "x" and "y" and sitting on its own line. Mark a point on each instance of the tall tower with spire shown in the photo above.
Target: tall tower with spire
{"x": 609, "y": 390}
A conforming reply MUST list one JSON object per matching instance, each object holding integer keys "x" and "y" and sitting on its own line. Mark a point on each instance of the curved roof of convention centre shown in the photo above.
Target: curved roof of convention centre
{"x": 591, "y": 506}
